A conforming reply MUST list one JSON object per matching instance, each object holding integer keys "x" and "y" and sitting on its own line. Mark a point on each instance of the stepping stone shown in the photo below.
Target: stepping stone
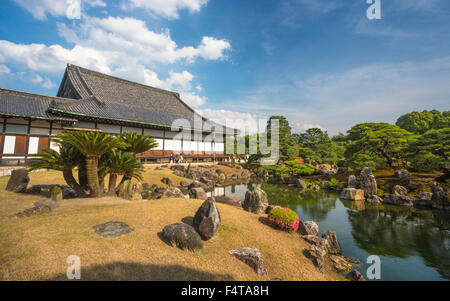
{"x": 112, "y": 229}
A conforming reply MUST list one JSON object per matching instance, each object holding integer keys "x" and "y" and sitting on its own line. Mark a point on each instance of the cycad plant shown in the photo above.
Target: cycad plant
{"x": 92, "y": 145}
{"x": 122, "y": 164}
{"x": 137, "y": 144}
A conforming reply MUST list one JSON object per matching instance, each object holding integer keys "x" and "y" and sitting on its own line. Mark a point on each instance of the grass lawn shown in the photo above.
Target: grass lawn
{"x": 36, "y": 248}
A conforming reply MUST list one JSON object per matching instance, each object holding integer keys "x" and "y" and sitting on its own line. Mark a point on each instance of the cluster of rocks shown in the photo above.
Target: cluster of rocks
{"x": 438, "y": 199}
{"x": 40, "y": 207}
{"x": 210, "y": 174}
{"x": 327, "y": 245}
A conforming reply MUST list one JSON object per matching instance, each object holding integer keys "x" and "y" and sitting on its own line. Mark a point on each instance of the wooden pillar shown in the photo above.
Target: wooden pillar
{"x": 27, "y": 143}
{"x": 50, "y": 133}
{"x": 3, "y": 138}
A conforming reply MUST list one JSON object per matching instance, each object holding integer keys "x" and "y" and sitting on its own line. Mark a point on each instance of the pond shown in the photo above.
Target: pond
{"x": 412, "y": 244}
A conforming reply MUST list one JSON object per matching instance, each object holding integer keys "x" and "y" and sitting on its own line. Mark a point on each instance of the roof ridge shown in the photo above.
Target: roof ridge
{"x": 123, "y": 80}
{"x": 36, "y": 95}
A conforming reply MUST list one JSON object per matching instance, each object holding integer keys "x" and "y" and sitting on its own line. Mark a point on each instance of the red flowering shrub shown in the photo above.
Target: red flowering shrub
{"x": 284, "y": 218}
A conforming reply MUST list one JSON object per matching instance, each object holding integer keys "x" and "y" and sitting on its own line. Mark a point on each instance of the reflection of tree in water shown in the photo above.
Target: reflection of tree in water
{"x": 402, "y": 232}
{"x": 315, "y": 205}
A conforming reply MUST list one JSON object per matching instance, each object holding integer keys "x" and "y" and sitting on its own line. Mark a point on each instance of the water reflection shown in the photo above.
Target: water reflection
{"x": 414, "y": 244}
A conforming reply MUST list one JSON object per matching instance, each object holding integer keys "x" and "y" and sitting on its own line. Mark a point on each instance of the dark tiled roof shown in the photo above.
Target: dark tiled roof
{"x": 22, "y": 104}
{"x": 106, "y": 96}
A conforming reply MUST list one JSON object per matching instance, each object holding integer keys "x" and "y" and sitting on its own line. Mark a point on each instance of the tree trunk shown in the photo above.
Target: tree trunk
{"x": 112, "y": 183}
{"x": 101, "y": 185}
{"x": 125, "y": 178}
{"x": 82, "y": 176}
{"x": 92, "y": 175}
{"x": 70, "y": 180}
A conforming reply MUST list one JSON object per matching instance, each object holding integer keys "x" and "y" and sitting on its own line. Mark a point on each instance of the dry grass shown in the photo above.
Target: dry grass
{"x": 36, "y": 248}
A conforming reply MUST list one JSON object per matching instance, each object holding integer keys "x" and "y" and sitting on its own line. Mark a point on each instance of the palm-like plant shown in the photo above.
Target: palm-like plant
{"x": 137, "y": 144}
{"x": 122, "y": 164}
{"x": 92, "y": 145}
{"x": 65, "y": 160}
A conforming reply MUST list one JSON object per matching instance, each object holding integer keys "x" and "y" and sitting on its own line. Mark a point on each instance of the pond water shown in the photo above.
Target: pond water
{"x": 412, "y": 244}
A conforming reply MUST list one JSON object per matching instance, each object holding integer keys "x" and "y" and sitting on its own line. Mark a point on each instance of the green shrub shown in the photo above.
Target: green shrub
{"x": 332, "y": 183}
{"x": 312, "y": 183}
{"x": 284, "y": 218}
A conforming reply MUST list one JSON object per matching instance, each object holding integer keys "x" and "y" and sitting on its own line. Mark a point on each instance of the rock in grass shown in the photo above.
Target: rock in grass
{"x": 207, "y": 219}
{"x": 333, "y": 244}
{"x": 172, "y": 192}
{"x": 316, "y": 256}
{"x": 34, "y": 211}
{"x": 317, "y": 241}
{"x": 56, "y": 193}
{"x": 255, "y": 201}
{"x": 354, "y": 275}
{"x": 229, "y": 200}
{"x": 308, "y": 228}
{"x": 182, "y": 236}
{"x": 112, "y": 229}
{"x": 197, "y": 193}
{"x": 18, "y": 181}
{"x": 46, "y": 203}
{"x": 251, "y": 257}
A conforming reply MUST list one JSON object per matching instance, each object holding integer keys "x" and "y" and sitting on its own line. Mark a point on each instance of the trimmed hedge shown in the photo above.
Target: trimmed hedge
{"x": 284, "y": 218}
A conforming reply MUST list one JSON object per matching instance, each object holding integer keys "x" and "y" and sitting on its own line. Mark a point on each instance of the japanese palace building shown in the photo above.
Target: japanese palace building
{"x": 89, "y": 100}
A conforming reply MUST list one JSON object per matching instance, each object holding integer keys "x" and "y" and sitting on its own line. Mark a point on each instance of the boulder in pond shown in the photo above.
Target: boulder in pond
{"x": 308, "y": 228}
{"x": 182, "y": 236}
{"x": 172, "y": 192}
{"x": 374, "y": 199}
{"x": 333, "y": 246}
{"x": 368, "y": 182}
{"x": 351, "y": 181}
{"x": 18, "y": 181}
{"x": 352, "y": 194}
{"x": 255, "y": 201}
{"x": 403, "y": 175}
{"x": 399, "y": 190}
{"x": 112, "y": 229}
{"x": 316, "y": 256}
{"x": 229, "y": 200}
{"x": 354, "y": 275}
{"x": 207, "y": 219}
{"x": 197, "y": 193}
{"x": 401, "y": 200}
{"x": 424, "y": 199}
{"x": 251, "y": 257}
{"x": 300, "y": 184}
{"x": 439, "y": 199}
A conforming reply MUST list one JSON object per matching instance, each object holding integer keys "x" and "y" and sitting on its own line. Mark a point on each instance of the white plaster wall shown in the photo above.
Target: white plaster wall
{"x": 10, "y": 142}
{"x": 33, "y": 145}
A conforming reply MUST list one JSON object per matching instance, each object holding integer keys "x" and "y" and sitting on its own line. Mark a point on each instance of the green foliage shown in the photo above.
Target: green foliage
{"x": 361, "y": 160}
{"x": 379, "y": 141}
{"x": 136, "y": 144}
{"x": 431, "y": 151}
{"x": 90, "y": 144}
{"x": 315, "y": 146}
{"x": 294, "y": 168}
{"x": 313, "y": 183}
{"x": 419, "y": 123}
{"x": 286, "y": 142}
{"x": 284, "y": 218}
{"x": 332, "y": 183}
{"x": 124, "y": 164}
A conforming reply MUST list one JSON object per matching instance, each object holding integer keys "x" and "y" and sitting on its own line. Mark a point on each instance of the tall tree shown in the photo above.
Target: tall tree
{"x": 285, "y": 140}
{"x": 421, "y": 122}
{"x": 380, "y": 140}
{"x": 92, "y": 145}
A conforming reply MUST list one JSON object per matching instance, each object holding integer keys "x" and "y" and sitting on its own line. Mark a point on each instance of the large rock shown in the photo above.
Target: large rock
{"x": 300, "y": 184}
{"x": 128, "y": 191}
{"x": 182, "y": 236}
{"x": 352, "y": 194}
{"x": 251, "y": 257}
{"x": 367, "y": 182}
{"x": 229, "y": 200}
{"x": 354, "y": 275}
{"x": 424, "y": 199}
{"x": 167, "y": 181}
{"x": 374, "y": 199}
{"x": 333, "y": 246}
{"x": 198, "y": 193}
{"x": 112, "y": 229}
{"x": 34, "y": 211}
{"x": 324, "y": 169}
{"x": 172, "y": 192}
{"x": 351, "y": 181}
{"x": 404, "y": 176}
{"x": 439, "y": 199}
{"x": 317, "y": 241}
{"x": 340, "y": 264}
{"x": 18, "y": 181}
{"x": 399, "y": 190}
{"x": 399, "y": 200}
{"x": 255, "y": 201}
{"x": 308, "y": 228}
{"x": 316, "y": 256}
{"x": 207, "y": 219}
{"x": 184, "y": 183}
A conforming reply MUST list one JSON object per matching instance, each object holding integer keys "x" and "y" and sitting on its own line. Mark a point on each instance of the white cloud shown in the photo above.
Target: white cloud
{"x": 48, "y": 84}
{"x": 37, "y": 79}
{"x": 4, "y": 69}
{"x": 71, "y": 9}
{"x": 212, "y": 49}
{"x": 245, "y": 122}
{"x": 167, "y": 8}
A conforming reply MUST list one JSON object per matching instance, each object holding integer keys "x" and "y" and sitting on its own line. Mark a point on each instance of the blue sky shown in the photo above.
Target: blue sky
{"x": 320, "y": 63}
